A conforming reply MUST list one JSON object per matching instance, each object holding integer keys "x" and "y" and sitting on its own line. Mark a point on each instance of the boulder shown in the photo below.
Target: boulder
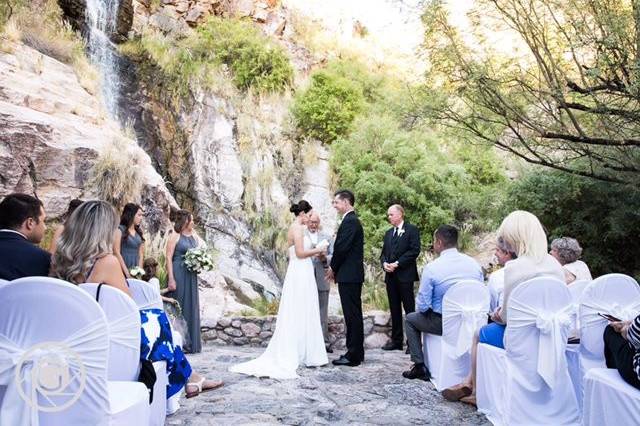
{"x": 250, "y": 329}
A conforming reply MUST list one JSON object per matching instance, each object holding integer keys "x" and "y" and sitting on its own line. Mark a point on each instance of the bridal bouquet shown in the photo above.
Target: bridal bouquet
{"x": 136, "y": 272}
{"x": 199, "y": 259}
{"x": 322, "y": 244}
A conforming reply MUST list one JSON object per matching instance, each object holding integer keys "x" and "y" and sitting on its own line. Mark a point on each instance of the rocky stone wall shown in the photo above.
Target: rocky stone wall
{"x": 257, "y": 331}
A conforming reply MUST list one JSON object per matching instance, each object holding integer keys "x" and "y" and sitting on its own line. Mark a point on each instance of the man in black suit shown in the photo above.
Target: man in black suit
{"x": 21, "y": 228}
{"x": 400, "y": 250}
{"x": 347, "y": 269}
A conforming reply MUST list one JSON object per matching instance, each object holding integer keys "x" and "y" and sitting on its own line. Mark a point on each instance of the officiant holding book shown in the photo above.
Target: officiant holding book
{"x": 400, "y": 249}
{"x": 320, "y": 264}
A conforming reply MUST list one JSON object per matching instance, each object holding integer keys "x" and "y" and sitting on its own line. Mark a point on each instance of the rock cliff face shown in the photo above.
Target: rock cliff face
{"x": 52, "y": 131}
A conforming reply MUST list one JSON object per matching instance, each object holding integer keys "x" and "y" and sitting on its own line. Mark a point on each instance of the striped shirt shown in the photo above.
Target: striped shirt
{"x": 633, "y": 336}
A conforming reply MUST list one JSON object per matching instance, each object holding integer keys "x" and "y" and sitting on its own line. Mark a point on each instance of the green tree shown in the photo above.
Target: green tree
{"x": 603, "y": 217}
{"x": 568, "y": 96}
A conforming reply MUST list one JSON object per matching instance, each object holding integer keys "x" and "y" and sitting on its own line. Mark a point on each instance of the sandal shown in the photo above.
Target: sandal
{"x": 200, "y": 387}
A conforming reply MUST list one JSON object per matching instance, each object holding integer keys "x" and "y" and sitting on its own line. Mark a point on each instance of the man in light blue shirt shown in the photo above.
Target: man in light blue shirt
{"x": 437, "y": 277}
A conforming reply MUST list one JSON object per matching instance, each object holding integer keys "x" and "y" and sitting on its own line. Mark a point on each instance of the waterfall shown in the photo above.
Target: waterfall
{"x": 101, "y": 19}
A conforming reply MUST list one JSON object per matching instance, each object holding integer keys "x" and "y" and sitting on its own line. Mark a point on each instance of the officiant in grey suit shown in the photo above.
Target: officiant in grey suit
{"x": 319, "y": 265}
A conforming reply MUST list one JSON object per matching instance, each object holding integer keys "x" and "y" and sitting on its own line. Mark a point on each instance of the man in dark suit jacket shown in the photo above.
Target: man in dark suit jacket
{"x": 347, "y": 269}
{"x": 21, "y": 228}
{"x": 400, "y": 249}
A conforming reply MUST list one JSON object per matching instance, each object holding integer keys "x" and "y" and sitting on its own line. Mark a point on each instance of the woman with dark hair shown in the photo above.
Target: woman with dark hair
{"x": 182, "y": 281}
{"x": 73, "y": 204}
{"x": 129, "y": 243}
{"x": 297, "y": 339}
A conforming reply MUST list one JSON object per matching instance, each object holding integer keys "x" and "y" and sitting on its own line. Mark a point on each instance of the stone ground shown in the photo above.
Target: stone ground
{"x": 373, "y": 394}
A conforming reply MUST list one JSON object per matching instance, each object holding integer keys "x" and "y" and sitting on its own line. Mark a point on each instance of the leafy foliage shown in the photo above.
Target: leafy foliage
{"x": 337, "y": 93}
{"x": 218, "y": 44}
{"x": 564, "y": 95}
{"x": 384, "y": 164}
{"x": 603, "y": 217}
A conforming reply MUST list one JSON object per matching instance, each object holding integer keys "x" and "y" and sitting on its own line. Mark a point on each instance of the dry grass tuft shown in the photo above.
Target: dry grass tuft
{"x": 116, "y": 175}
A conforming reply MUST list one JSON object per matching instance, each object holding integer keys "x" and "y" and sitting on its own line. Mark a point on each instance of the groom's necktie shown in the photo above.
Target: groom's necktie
{"x": 395, "y": 232}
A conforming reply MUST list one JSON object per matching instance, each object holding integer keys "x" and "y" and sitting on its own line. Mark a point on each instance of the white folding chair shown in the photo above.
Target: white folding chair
{"x": 576, "y": 289}
{"x": 54, "y": 339}
{"x": 613, "y": 294}
{"x": 123, "y": 317}
{"x": 147, "y": 297}
{"x": 609, "y": 400}
{"x": 464, "y": 310}
{"x": 528, "y": 382}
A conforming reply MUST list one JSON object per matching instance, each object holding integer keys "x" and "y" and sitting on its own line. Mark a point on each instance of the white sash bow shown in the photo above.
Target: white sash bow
{"x": 553, "y": 328}
{"x": 470, "y": 319}
{"x": 35, "y": 371}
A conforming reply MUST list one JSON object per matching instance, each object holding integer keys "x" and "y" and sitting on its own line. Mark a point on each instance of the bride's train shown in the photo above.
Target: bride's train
{"x": 298, "y": 338}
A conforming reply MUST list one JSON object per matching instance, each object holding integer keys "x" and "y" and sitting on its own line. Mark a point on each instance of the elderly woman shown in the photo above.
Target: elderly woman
{"x": 522, "y": 234}
{"x": 567, "y": 251}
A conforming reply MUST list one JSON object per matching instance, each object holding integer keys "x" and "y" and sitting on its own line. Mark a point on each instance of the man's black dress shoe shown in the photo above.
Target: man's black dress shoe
{"x": 344, "y": 361}
{"x": 418, "y": 371}
{"x": 391, "y": 346}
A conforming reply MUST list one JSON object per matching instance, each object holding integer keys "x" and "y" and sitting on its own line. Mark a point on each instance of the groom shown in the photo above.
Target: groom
{"x": 347, "y": 269}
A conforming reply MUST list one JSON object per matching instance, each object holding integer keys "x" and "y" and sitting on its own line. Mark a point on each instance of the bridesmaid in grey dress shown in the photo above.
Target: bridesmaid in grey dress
{"x": 129, "y": 242}
{"x": 181, "y": 281}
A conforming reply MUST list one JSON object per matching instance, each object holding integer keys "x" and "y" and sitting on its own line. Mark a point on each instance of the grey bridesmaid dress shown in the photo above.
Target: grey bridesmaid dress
{"x": 129, "y": 247}
{"x": 187, "y": 291}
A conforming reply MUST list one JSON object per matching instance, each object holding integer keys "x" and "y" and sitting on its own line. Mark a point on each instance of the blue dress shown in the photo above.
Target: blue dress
{"x": 156, "y": 344}
{"x": 187, "y": 290}
{"x": 130, "y": 247}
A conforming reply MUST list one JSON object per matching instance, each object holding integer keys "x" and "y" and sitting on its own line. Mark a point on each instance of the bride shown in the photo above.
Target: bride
{"x": 298, "y": 336}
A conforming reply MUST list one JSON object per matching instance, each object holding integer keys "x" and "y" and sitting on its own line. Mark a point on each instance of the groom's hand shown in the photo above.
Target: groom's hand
{"x": 329, "y": 275}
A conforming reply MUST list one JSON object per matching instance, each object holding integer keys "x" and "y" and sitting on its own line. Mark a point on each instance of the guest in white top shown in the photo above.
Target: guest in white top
{"x": 496, "y": 279}
{"x": 567, "y": 251}
{"x": 523, "y": 234}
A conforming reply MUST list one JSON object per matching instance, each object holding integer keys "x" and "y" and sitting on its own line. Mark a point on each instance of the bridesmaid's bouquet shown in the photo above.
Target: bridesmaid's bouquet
{"x": 199, "y": 259}
{"x": 136, "y": 272}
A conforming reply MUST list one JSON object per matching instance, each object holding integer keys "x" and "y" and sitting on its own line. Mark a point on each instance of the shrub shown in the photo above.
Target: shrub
{"x": 603, "y": 217}
{"x": 384, "y": 164}
{"x": 254, "y": 62}
{"x": 327, "y": 108}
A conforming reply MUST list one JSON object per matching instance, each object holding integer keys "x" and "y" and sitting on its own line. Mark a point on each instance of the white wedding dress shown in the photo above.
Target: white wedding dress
{"x": 297, "y": 339}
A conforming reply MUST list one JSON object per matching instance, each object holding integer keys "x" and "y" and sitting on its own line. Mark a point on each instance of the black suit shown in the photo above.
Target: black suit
{"x": 21, "y": 258}
{"x": 404, "y": 249}
{"x": 347, "y": 264}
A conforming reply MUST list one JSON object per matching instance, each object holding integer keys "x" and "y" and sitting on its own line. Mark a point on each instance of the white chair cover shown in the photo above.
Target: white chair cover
{"x": 145, "y": 295}
{"x": 57, "y": 334}
{"x": 3, "y": 281}
{"x": 609, "y": 400}
{"x": 123, "y": 317}
{"x": 464, "y": 310}
{"x": 614, "y": 294}
{"x": 536, "y": 384}
{"x": 576, "y": 289}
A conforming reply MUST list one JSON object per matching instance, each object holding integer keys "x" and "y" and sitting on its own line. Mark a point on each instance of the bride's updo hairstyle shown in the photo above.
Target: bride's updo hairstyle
{"x": 302, "y": 206}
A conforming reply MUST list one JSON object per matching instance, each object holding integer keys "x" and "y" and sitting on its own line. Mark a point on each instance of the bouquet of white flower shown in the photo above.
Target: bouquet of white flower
{"x": 199, "y": 259}
{"x": 136, "y": 272}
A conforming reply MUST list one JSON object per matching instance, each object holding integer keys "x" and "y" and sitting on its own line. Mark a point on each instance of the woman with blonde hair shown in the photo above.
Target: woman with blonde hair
{"x": 84, "y": 252}
{"x": 521, "y": 233}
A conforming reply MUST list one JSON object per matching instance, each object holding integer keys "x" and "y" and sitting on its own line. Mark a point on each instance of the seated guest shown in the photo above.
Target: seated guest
{"x": 622, "y": 349}
{"x": 21, "y": 228}
{"x": 521, "y": 233}
{"x": 73, "y": 204}
{"x": 85, "y": 254}
{"x": 567, "y": 251}
{"x": 450, "y": 267}
{"x": 496, "y": 279}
